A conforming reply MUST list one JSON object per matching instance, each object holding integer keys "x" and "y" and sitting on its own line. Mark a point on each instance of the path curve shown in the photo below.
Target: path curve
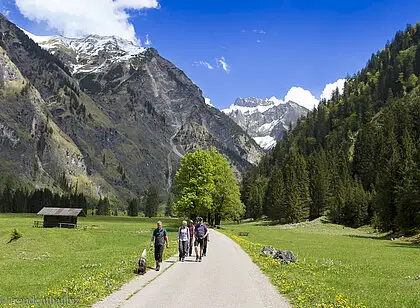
{"x": 227, "y": 277}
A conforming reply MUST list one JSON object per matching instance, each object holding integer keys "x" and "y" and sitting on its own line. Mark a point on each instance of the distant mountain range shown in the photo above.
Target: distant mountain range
{"x": 265, "y": 120}
{"x": 113, "y": 118}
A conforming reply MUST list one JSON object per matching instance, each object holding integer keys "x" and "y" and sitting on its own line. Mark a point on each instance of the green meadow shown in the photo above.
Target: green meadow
{"x": 337, "y": 266}
{"x": 53, "y": 264}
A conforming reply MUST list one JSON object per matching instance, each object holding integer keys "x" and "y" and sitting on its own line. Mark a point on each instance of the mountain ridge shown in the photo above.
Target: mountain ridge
{"x": 128, "y": 123}
{"x": 266, "y": 120}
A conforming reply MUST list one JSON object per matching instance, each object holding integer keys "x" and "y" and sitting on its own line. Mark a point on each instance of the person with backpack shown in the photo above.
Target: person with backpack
{"x": 159, "y": 238}
{"x": 183, "y": 240}
{"x": 201, "y": 232}
{"x": 190, "y": 246}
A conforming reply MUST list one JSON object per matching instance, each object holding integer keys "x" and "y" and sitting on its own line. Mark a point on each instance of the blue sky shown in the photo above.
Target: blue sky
{"x": 269, "y": 46}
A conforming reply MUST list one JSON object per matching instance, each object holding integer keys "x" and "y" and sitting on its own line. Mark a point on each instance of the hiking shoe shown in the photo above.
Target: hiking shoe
{"x": 158, "y": 268}
{"x": 182, "y": 259}
{"x": 196, "y": 259}
{"x": 200, "y": 259}
{"x": 204, "y": 255}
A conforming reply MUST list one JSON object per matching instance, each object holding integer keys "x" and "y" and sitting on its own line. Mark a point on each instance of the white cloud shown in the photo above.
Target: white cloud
{"x": 302, "y": 97}
{"x": 331, "y": 87}
{"x": 148, "y": 42}
{"x": 258, "y": 31}
{"x": 75, "y": 18}
{"x": 222, "y": 62}
{"x": 6, "y": 13}
{"x": 258, "y": 41}
{"x": 204, "y": 63}
{"x": 207, "y": 101}
{"x": 276, "y": 100}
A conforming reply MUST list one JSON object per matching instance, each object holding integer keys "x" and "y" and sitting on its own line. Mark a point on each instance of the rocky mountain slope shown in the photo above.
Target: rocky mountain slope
{"x": 265, "y": 120}
{"x": 111, "y": 117}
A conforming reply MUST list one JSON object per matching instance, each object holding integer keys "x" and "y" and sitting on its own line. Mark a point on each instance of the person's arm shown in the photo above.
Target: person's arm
{"x": 179, "y": 233}
{"x": 153, "y": 238}
{"x": 207, "y": 233}
{"x": 188, "y": 235}
{"x": 166, "y": 239}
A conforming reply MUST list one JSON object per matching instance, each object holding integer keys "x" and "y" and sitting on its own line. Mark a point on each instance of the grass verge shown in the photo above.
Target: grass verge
{"x": 337, "y": 266}
{"x": 63, "y": 266}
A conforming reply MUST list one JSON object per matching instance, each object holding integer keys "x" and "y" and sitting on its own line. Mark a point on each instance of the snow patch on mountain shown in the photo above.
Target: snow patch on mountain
{"x": 265, "y": 120}
{"x": 252, "y": 105}
{"x": 91, "y": 53}
{"x": 266, "y": 142}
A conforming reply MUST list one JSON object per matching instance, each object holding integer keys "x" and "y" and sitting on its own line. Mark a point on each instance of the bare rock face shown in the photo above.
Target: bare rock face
{"x": 268, "y": 251}
{"x": 285, "y": 256}
{"x": 126, "y": 114}
{"x": 282, "y": 255}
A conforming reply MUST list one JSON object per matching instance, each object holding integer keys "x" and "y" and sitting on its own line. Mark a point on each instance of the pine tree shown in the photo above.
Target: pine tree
{"x": 339, "y": 186}
{"x": 386, "y": 183}
{"x": 365, "y": 156}
{"x": 256, "y": 198}
{"x": 152, "y": 201}
{"x": 297, "y": 188}
{"x": 169, "y": 208}
{"x": 408, "y": 190}
{"x": 275, "y": 205}
{"x": 132, "y": 209}
{"x": 417, "y": 60}
{"x": 356, "y": 205}
{"x": 318, "y": 183}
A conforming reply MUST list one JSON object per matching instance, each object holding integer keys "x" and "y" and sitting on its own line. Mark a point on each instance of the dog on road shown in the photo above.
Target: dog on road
{"x": 142, "y": 263}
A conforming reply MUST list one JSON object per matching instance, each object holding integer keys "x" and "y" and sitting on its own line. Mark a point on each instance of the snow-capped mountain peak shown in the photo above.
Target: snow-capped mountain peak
{"x": 90, "y": 53}
{"x": 251, "y": 105}
{"x": 266, "y": 119}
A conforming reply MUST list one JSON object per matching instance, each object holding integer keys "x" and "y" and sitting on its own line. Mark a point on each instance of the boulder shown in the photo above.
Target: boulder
{"x": 268, "y": 251}
{"x": 285, "y": 256}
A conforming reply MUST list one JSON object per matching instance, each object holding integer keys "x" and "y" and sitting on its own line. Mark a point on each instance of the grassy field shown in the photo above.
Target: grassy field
{"x": 73, "y": 265}
{"x": 337, "y": 266}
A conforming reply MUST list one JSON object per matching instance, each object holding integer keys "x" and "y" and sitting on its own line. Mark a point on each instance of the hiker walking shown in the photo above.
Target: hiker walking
{"x": 183, "y": 240}
{"x": 206, "y": 240}
{"x": 190, "y": 246}
{"x": 201, "y": 232}
{"x": 159, "y": 238}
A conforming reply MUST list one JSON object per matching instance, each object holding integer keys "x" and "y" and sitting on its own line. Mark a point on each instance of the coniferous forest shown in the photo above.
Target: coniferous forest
{"x": 356, "y": 158}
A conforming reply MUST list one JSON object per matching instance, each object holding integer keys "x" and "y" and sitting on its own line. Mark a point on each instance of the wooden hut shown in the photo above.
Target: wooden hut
{"x": 60, "y": 217}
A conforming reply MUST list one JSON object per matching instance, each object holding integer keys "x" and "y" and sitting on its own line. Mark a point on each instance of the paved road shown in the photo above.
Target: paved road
{"x": 225, "y": 278}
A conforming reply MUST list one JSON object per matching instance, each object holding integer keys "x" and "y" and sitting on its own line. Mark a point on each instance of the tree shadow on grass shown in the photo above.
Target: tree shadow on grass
{"x": 372, "y": 237}
{"x": 404, "y": 245}
{"x": 268, "y": 223}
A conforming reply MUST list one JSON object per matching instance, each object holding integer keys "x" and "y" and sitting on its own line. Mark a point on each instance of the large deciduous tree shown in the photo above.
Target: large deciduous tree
{"x": 226, "y": 195}
{"x": 205, "y": 185}
{"x": 194, "y": 184}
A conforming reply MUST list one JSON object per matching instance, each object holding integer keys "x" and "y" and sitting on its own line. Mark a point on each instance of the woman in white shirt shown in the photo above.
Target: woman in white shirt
{"x": 183, "y": 240}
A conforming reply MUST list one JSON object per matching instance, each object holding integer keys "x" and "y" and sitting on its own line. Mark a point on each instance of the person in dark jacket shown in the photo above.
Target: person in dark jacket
{"x": 159, "y": 238}
{"x": 201, "y": 232}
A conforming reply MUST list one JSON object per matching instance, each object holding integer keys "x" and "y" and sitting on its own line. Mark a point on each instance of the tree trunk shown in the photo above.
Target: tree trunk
{"x": 217, "y": 220}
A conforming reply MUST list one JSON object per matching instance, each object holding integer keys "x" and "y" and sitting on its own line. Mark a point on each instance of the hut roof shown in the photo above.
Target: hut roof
{"x": 56, "y": 211}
